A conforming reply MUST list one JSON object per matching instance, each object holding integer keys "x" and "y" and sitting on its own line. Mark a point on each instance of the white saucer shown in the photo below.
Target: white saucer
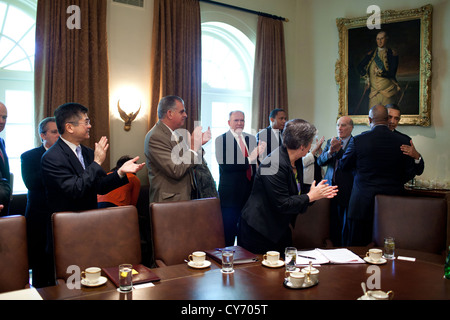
{"x": 305, "y": 285}
{"x": 101, "y": 281}
{"x": 279, "y": 263}
{"x": 205, "y": 264}
{"x": 381, "y": 261}
{"x": 365, "y": 297}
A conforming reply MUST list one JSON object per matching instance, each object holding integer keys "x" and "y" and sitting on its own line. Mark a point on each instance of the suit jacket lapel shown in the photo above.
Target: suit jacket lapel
{"x": 71, "y": 157}
{"x": 4, "y": 164}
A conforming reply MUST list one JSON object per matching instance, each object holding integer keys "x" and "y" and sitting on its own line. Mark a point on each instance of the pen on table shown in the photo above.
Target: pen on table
{"x": 312, "y": 258}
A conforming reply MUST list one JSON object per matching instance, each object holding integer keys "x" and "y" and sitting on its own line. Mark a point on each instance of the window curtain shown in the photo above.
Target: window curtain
{"x": 270, "y": 82}
{"x": 71, "y": 65}
{"x": 176, "y": 56}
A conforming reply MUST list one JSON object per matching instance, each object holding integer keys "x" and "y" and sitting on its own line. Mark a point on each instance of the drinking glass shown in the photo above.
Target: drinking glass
{"x": 290, "y": 257}
{"x": 125, "y": 277}
{"x": 389, "y": 248}
{"x": 227, "y": 260}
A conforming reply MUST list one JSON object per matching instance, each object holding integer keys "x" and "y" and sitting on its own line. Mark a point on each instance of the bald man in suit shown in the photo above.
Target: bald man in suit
{"x": 380, "y": 167}
{"x": 236, "y": 154}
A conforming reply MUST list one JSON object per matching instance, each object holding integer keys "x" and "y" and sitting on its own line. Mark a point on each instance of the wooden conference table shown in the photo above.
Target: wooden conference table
{"x": 410, "y": 280}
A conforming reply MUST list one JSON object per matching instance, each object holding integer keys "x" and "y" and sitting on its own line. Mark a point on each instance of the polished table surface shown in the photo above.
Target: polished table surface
{"x": 418, "y": 280}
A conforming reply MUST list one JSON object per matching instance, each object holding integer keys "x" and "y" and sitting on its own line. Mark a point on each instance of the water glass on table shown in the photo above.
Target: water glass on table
{"x": 125, "y": 277}
{"x": 227, "y": 260}
{"x": 290, "y": 257}
{"x": 389, "y": 248}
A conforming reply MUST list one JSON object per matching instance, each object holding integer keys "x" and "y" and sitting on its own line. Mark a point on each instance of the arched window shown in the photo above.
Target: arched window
{"x": 227, "y": 81}
{"x": 17, "y": 45}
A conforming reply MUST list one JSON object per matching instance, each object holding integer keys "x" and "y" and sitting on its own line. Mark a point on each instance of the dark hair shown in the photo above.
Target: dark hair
{"x": 120, "y": 162}
{"x": 393, "y": 106}
{"x": 274, "y": 113}
{"x": 68, "y": 112}
{"x": 297, "y": 133}
{"x": 166, "y": 104}
{"x": 43, "y": 124}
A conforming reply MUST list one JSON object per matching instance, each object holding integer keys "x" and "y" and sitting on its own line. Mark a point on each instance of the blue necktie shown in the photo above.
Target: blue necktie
{"x": 80, "y": 156}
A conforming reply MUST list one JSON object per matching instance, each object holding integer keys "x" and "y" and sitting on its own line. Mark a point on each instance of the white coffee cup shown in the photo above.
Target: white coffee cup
{"x": 198, "y": 258}
{"x": 91, "y": 275}
{"x": 272, "y": 257}
{"x": 374, "y": 254}
{"x": 296, "y": 278}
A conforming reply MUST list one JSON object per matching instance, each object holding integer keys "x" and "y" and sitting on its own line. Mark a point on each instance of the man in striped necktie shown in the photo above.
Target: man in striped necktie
{"x": 236, "y": 153}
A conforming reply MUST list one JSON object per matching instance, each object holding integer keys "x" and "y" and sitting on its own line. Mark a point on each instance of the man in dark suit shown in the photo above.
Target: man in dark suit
{"x": 5, "y": 184}
{"x": 334, "y": 150}
{"x": 409, "y": 149}
{"x": 72, "y": 173}
{"x": 37, "y": 212}
{"x": 380, "y": 168}
{"x": 272, "y": 134}
{"x": 236, "y": 154}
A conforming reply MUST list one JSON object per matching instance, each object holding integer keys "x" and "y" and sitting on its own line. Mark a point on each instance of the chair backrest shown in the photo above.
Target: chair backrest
{"x": 14, "y": 273}
{"x": 180, "y": 228}
{"x": 416, "y": 223}
{"x": 312, "y": 228}
{"x": 95, "y": 238}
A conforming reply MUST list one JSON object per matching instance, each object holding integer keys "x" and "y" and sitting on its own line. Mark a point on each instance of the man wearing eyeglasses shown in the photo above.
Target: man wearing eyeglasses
{"x": 72, "y": 173}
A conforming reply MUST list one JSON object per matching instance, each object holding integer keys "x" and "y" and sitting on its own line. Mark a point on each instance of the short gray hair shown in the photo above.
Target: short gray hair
{"x": 235, "y": 111}
{"x": 43, "y": 124}
{"x": 166, "y": 104}
{"x": 298, "y": 133}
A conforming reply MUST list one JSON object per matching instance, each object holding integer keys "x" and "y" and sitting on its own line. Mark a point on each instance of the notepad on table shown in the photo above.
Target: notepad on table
{"x": 324, "y": 256}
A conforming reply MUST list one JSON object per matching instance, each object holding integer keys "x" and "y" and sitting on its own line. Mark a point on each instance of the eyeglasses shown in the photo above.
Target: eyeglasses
{"x": 86, "y": 122}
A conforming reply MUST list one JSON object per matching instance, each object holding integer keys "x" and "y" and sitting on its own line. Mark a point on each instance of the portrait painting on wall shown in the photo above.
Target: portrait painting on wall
{"x": 386, "y": 65}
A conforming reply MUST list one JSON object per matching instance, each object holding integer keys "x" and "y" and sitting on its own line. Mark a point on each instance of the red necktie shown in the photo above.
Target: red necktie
{"x": 245, "y": 153}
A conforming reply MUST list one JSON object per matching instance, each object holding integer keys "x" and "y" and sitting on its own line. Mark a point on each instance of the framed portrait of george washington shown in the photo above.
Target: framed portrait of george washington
{"x": 388, "y": 65}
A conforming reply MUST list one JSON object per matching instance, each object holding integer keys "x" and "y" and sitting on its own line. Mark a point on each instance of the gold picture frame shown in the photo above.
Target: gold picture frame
{"x": 411, "y": 33}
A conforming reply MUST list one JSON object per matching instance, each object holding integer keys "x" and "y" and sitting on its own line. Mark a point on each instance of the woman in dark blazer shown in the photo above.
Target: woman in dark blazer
{"x": 276, "y": 199}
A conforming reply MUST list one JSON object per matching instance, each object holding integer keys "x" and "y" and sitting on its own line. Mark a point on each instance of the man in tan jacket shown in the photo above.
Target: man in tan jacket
{"x": 172, "y": 153}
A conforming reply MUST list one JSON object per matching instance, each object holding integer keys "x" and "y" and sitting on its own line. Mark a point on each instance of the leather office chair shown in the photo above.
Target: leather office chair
{"x": 95, "y": 238}
{"x": 180, "y": 228}
{"x": 416, "y": 223}
{"x": 13, "y": 254}
{"x": 312, "y": 228}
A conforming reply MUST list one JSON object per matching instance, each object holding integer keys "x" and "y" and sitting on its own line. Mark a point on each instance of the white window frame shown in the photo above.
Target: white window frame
{"x": 11, "y": 80}
{"x": 243, "y": 97}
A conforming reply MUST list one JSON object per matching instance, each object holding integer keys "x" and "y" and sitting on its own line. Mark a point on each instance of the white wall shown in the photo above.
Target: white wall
{"x": 129, "y": 41}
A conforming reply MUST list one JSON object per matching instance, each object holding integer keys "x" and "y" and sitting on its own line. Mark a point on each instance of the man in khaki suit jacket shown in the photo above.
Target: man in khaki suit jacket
{"x": 171, "y": 153}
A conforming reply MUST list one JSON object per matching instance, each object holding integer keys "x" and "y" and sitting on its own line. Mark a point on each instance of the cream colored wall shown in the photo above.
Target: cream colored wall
{"x": 311, "y": 53}
{"x": 129, "y": 43}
